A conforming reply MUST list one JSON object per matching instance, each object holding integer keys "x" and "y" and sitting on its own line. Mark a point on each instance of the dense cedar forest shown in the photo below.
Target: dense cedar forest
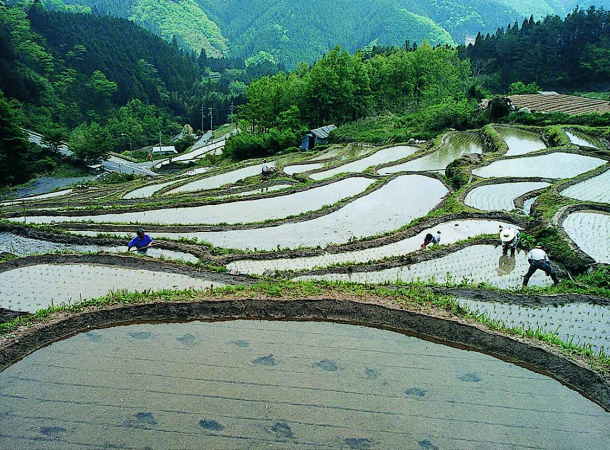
{"x": 561, "y": 54}
{"x": 290, "y": 31}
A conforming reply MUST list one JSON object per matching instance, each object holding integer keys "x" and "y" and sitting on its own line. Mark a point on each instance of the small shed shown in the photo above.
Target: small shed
{"x": 168, "y": 150}
{"x": 319, "y": 136}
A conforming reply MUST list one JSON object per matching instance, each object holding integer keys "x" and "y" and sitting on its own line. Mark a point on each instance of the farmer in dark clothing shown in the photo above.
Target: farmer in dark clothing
{"x": 142, "y": 242}
{"x": 538, "y": 259}
{"x": 431, "y": 239}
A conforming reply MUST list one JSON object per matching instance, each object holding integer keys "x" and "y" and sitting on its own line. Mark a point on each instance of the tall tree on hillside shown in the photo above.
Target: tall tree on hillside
{"x": 14, "y": 147}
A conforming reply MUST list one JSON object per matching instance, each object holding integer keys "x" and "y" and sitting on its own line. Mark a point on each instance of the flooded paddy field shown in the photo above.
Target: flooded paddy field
{"x": 584, "y": 324}
{"x": 529, "y": 204}
{"x": 256, "y": 384}
{"x": 451, "y": 232}
{"x": 372, "y": 214}
{"x": 300, "y": 168}
{"x": 233, "y": 212}
{"x": 520, "y": 141}
{"x": 36, "y": 287}
{"x": 457, "y": 145}
{"x": 581, "y": 139}
{"x": 553, "y": 165}
{"x": 590, "y": 230}
{"x": 342, "y": 153}
{"x": 475, "y": 264}
{"x": 22, "y": 246}
{"x": 383, "y": 156}
{"x": 596, "y": 189}
{"x": 500, "y": 197}
{"x": 216, "y": 181}
{"x": 38, "y": 197}
{"x": 148, "y": 191}
{"x": 275, "y": 188}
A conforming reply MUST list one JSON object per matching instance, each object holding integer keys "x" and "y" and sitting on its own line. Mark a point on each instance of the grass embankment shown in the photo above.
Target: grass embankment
{"x": 410, "y": 297}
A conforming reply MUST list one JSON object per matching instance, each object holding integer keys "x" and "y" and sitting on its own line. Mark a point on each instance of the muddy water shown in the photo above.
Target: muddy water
{"x": 232, "y": 213}
{"x": 217, "y": 181}
{"x": 147, "y": 191}
{"x": 596, "y": 189}
{"x": 554, "y": 165}
{"x": 381, "y": 157}
{"x": 457, "y": 145}
{"x": 21, "y": 246}
{"x": 475, "y": 264}
{"x": 499, "y": 197}
{"x": 590, "y": 231}
{"x": 451, "y": 232}
{"x": 583, "y": 323}
{"x": 580, "y": 139}
{"x": 300, "y": 168}
{"x": 36, "y": 287}
{"x": 519, "y": 141}
{"x": 254, "y": 385}
{"x": 386, "y": 209}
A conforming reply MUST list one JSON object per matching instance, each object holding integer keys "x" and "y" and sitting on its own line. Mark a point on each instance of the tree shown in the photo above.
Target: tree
{"x": 54, "y": 137}
{"x": 14, "y": 147}
{"x": 520, "y": 88}
{"x": 91, "y": 143}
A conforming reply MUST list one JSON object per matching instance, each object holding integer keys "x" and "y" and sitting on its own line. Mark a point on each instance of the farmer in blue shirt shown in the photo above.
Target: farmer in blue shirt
{"x": 142, "y": 242}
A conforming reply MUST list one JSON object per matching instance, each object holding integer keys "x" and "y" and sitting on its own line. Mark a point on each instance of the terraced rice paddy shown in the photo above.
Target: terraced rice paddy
{"x": 22, "y": 246}
{"x": 590, "y": 230}
{"x": 451, "y": 232}
{"x": 370, "y": 215}
{"x": 232, "y": 213}
{"x": 300, "y": 168}
{"x": 147, "y": 191}
{"x": 582, "y": 323}
{"x": 596, "y": 189}
{"x": 383, "y": 156}
{"x": 500, "y": 197}
{"x": 580, "y": 139}
{"x": 283, "y": 385}
{"x": 200, "y": 152}
{"x": 475, "y": 264}
{"x": 554, "y": 165}
{"x": 36, "y": 287}
{"x": 277, "y": 187}
{"x": 340, "y": 154}
{"x": 457, "y": 145}
{"x": 216, "y": 181}
{"x": 529, "y": 204}
{"x": 39, "y": 197}
{"x": 520, "y": 141}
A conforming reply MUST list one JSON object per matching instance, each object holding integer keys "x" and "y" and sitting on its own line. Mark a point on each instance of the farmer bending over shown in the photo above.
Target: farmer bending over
{"x": 539, "y": 260}
{"x": 510, "y": 238}
{"x": 142, "y": 242}
{"x": 431, "y": 239}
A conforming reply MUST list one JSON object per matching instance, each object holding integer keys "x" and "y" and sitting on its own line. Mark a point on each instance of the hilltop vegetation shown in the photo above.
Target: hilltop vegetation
{"x": 291, "y": 32}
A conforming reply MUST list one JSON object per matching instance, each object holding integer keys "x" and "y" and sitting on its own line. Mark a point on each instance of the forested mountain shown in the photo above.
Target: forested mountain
{"x": 570, "y": 53}
{"x": 290, "y": 32}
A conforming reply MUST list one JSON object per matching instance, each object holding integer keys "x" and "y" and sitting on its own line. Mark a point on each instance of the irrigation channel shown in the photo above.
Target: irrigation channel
{"x": 198, "y": 344}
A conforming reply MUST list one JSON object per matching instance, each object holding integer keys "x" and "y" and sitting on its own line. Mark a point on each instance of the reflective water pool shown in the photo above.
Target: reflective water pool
{"x": 383, "y": 156}
{"x": 35, "y": 287}
{"x": 581, "y": 139}
{"x": 474, "y": 264}
{"x": 500, "y": 197}
{"x": 590, "y": 230}
{"x": 254, "y": 384}
{"x": 451, "y": 232}
{"x": 520, "y": 141}
{"x": 596, "y": 189}
{"x": 554, "y": 165}
{"x": 232, "y": 212}
{"x": 300, "y": 168}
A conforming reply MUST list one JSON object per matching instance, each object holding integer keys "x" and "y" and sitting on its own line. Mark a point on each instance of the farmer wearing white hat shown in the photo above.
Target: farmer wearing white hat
{"x": 510, "y": 240}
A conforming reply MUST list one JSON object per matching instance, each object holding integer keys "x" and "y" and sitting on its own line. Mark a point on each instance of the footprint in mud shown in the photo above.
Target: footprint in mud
{"x": 327, "y": 365}
{"x": 281, "y": 430}
{"x": 52, "y": 432}
{"x": 211, "y": 425}
{"x": 268, "y": 360}
{"x": 141, "y": 335}
{"x": 371, "y": 373}
{"x": 240, "y": 343}
{"x": 358, "y": 443}
{"x": 146, "y": 418}
{"x": 187, "y": 339}
{"x": 415, "y": 392}
{"x": 427, "y": 445}
{"x": 470, "y": 378}
{"x": 93, "y": 337}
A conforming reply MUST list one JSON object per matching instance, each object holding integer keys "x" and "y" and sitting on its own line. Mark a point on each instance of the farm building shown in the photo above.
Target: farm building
{"x": 168, "y": 150}
{"x": 319, "y": 136}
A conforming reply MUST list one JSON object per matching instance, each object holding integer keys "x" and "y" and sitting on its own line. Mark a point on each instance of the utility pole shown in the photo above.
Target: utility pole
{"x": 232, "y": 110}
{"x": 211, "y": 118}
{"x": 202, "y": 115}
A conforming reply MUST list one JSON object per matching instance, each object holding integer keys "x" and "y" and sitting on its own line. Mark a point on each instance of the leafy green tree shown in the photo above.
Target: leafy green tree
{"x": 91, "y": 143}
{"x": 519, "y": 88}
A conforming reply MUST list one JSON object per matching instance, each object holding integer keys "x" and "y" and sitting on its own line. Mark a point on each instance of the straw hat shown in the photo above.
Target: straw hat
{"x": 507, "y": 235}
